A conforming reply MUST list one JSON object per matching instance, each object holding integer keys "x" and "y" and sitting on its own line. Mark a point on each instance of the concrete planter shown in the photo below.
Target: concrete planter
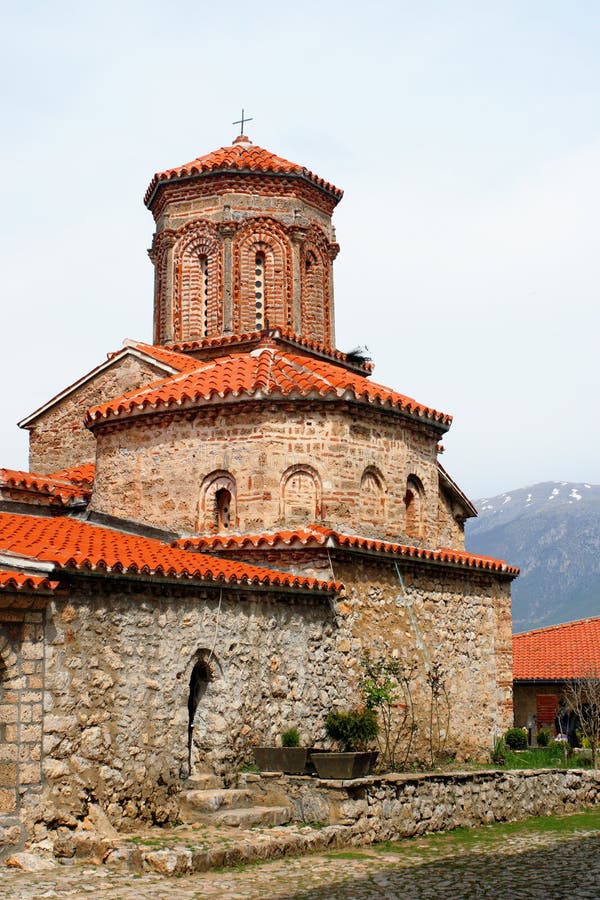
{"x": 291, "y": 760}
{"x": 344, "y": 765}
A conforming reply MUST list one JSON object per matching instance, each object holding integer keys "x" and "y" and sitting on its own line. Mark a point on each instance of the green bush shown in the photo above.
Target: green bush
{"x": 516, "y": 739}
{"x": 354, "y": 729}
{"x": 290, "y": 738}
{"x": 543, "y": 739}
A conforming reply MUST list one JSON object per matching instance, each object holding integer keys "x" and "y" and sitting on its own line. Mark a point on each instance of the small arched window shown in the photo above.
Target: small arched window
{"x": 217, "y": 503}
{"x": 223, "y": 509}
{"x": 259, "y": 291}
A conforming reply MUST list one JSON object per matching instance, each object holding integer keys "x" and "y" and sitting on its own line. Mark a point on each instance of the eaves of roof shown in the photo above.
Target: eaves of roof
{"x": 131, "y": 349}
{"x": 61, "y": 491}
{"x": 268, "y": 372}
{"x": 19, "y": 582}
{"x": 240, "y": 158}
{"x": 321, "y": 536}
{"x": 72, "y": 545}
{"x": 454, "y": 489}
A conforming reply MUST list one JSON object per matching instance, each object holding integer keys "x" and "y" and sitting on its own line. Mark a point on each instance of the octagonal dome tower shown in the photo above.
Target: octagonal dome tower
{"x": 244, "y": 240}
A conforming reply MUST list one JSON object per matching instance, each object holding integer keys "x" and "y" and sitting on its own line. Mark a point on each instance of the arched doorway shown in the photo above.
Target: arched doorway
{"x": 200, "y": 678}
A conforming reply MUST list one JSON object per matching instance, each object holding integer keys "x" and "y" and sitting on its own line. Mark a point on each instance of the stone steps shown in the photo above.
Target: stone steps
{"x": 253, "y": 815}
{"x": 209, "y": 801}
{"x": 204, "y": 781}
{"x": 252, "y": 801}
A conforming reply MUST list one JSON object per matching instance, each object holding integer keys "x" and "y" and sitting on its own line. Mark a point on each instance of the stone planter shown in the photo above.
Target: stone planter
{"x": 290, "y": 760}
{"x": 345, "y": 765}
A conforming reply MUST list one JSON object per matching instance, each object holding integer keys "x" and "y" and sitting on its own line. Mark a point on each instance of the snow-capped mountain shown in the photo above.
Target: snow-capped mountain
{"x": 551, "y": 531}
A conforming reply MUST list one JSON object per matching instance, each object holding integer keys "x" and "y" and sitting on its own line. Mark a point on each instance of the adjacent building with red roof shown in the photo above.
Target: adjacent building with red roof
{"x": 217, "y": 526}
{"x": 544, "y": 660}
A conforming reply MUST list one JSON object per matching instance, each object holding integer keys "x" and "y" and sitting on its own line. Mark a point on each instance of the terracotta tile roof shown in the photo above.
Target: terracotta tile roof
{"x": 279, "y": 335}
{"x": 82, "y": 475}
{"x": 17, "y": 581}
{"x": 241, "y": 157}
{"x": 163, "y": 359}
{"x": 60, "y": 490}
{"x": 166, "y": 355}
{"x": 319, "y": 535}
{"x": 267, "y": 371}
{"x": 73, "y": 544}
{"x": 559, "y": 652}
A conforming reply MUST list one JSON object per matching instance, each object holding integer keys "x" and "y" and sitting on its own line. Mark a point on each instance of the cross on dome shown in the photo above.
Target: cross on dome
{"x": 241, "y": 122}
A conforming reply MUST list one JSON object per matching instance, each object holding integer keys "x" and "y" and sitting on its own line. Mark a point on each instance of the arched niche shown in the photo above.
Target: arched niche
{"x": 301, "y": 494}
{"x": 217, "y": 506}
{"x": 414, "y": 501}
{"x": 372, "y": 496}
{"x": 314, "y": 292}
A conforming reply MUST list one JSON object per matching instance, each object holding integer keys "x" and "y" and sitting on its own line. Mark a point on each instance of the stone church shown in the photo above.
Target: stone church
{"x": 216, "y": 526}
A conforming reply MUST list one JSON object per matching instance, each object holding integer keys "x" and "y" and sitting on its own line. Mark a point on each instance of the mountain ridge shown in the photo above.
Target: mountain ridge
{"x": 551, "y": 530}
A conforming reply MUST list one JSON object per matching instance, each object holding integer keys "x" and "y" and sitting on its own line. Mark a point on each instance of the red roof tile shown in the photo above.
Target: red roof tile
{"x": 61, "y": 490}
{"x": 244, "y": 157}
{"x": 166, "y": 355}
{"x": 82, "y": 475}
{"x": 319, "y": 535}
{"x": 280, "y": 335}
{"x": 17, "y": 581}
{"x": 72, "y": 544}
{"x": 557, "y": 653}
{"x": 267, "y": 371}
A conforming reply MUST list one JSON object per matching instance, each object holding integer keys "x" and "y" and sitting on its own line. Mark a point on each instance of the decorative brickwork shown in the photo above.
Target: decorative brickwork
{"x": 197, "y": 301}
{"x": 266, "y": 237}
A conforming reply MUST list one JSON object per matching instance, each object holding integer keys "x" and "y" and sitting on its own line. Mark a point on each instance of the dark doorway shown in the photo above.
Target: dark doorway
{"x": 199, "y": 680}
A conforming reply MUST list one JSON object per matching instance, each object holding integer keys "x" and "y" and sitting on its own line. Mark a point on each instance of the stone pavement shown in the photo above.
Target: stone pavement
{"x": 522, "y": 862}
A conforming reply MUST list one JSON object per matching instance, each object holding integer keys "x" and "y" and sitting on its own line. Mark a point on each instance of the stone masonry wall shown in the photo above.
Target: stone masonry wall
{"x": 395, "y": 806}
{"x": 58, "y": 438}
{"x": 21, "y": 681}
{"x": 158, "y": 468}
{"x": 118, "y": 670}
{"x": 457, "y": 618}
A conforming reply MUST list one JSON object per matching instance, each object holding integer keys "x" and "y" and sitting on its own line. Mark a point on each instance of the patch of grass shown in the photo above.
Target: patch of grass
{"x": 464, "y": 838}
{"x": 348, "y": 854}
{"x": 555, "y": 755}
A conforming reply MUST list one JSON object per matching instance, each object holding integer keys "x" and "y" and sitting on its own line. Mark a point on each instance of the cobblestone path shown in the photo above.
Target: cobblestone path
{"x": 481, "y": 863}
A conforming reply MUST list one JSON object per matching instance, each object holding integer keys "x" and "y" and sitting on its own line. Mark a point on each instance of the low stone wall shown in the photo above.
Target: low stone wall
{"x": 393, "y": 806}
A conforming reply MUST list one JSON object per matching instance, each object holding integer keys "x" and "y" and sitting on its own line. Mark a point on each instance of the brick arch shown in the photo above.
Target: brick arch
{"x": 301, "y": 494}
{"x": 414, "y": 502}
{"x": 197, "y": 314}
{"x": 372, "y": 497}
{"x": 210, "y": 506}
{"x": 266, "y": 236}
{"x": 315, "y": 311}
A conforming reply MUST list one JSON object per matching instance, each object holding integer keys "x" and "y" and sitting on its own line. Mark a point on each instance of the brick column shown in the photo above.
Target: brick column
{"x": 227, "y": 231}
{"x": 334, "y": 249}
{"x": 297, "y": 236}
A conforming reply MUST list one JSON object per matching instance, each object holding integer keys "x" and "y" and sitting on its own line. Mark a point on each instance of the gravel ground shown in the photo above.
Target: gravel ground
{"x": 519, "y": 866}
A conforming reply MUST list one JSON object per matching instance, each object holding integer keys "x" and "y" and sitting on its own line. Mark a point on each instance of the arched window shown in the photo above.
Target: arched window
{"x": 259, "y": 291}
{"x": 217, "y": 503}
{"x": 413, "y": 501}
{"x": 223, "y": 509}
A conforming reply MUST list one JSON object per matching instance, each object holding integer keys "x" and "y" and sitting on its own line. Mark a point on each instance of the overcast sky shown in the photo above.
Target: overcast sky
{"x": 466, "y": 136}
